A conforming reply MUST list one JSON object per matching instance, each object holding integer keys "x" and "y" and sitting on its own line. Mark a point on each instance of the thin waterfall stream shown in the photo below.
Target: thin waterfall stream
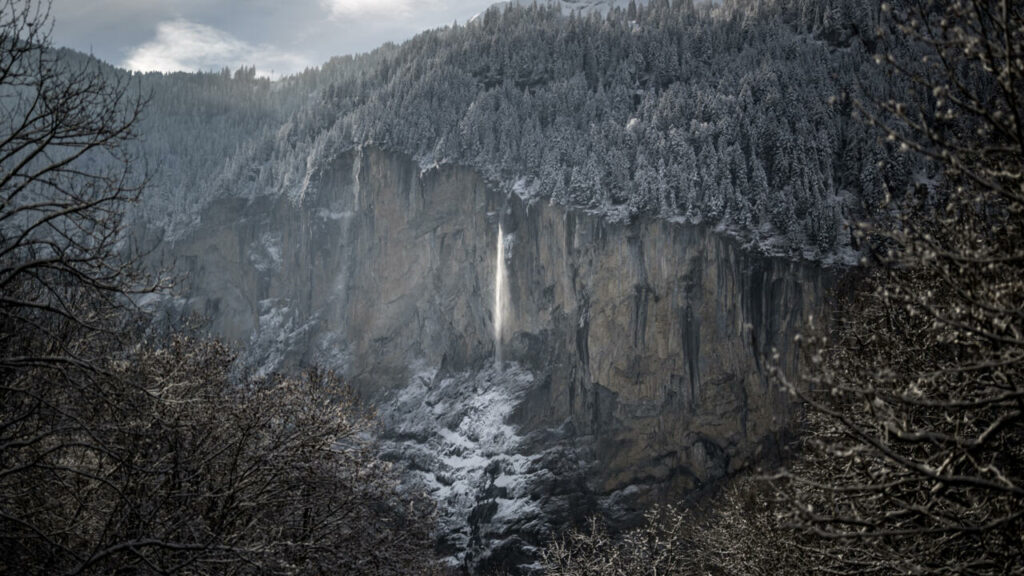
{"x": 499, "y": 289}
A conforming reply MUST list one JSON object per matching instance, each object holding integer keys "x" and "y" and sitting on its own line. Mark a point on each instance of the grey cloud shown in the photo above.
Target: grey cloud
{"x": 184, "y": 45}
{"x": 283, "y": 36}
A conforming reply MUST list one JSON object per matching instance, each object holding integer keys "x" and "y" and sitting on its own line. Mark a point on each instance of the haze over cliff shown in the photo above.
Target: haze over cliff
{"x": 632, "y": 353}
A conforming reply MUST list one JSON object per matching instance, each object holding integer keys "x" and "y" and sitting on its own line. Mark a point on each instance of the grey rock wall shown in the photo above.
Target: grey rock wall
{"x": 635, "y": 349}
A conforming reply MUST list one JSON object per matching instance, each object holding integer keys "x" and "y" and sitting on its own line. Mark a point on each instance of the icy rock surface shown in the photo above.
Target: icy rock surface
{"x": 454, "y": 438}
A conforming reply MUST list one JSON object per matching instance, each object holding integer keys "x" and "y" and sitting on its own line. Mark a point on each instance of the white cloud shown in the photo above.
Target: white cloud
{"x": 355, "y": 8}
{"x": 184, "y": 45}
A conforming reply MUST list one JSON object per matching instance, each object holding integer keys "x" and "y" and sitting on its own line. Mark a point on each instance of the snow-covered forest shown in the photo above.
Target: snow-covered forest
{"x": 738, "y": 116}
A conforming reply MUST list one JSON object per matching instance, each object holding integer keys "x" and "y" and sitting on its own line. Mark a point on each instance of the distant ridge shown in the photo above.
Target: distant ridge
{"x": 587, "y": 6}
{"x": 578, "y": 6}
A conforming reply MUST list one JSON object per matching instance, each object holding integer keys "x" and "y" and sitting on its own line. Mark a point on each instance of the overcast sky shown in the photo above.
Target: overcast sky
{"x": 277, "y": 36}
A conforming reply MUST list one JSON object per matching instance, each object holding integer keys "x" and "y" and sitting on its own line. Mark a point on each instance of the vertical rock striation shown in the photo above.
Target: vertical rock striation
{"x": 636, "y": 349}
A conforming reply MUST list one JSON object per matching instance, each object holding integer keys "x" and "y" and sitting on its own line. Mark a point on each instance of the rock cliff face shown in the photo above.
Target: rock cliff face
{"x": 632, "y": 352}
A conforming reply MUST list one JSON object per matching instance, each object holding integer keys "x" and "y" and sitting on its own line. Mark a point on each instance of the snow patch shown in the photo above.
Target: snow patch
{"x": 528, "y": 190}
{"x": 279, "y": 332}
{"x": 330, "y": 214}
{"x": 455, "y": 440}
{"x": 265, "y": 253}
{"x": 510, "y": 244}
{"x": 426, "y": 162}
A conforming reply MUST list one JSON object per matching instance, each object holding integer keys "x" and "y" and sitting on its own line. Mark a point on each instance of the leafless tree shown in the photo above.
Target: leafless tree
{"x": 736, "y": 533}
{"x": 915, "y": 459}
{"x": 178, "y": 469}
{"x": 67, "y": 173}
{"x": 119, "y": 455}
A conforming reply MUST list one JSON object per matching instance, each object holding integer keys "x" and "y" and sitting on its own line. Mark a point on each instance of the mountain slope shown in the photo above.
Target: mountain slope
{"x": 734, "y": 117}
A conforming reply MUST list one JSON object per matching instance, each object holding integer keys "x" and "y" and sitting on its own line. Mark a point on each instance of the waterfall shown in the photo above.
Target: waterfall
{"x": 499, "y": 289}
